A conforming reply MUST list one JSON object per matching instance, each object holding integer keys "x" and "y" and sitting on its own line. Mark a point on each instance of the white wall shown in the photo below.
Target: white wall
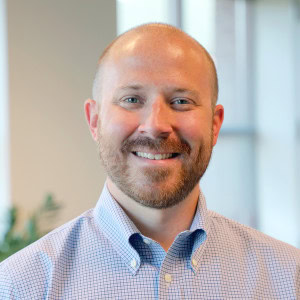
{"x": 53, "y": 49}
{"x": 4, "y": 120}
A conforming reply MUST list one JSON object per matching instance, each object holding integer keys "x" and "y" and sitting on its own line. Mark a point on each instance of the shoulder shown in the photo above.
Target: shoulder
{"x": 35, "y": 263}
{"x": 244, "y": 238}
{"x": 53, "y": 242}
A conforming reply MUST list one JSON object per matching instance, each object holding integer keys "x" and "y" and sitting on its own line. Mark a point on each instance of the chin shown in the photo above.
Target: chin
{"x": 158, "y": 194}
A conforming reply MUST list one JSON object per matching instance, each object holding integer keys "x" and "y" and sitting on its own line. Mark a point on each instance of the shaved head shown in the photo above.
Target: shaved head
{"x": 154, "y": 119}
{"x": 156, "y": 36}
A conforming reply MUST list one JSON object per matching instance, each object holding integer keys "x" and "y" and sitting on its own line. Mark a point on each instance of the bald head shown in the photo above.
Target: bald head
{"x": 155, "y": 37}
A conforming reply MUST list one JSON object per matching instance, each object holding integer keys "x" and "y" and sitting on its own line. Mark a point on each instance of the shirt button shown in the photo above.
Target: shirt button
{"x": 146, "y": 241}
{"x": 168, "y": 277}
{"x": 194, "y": 262}
{"x": 133, "y": 263}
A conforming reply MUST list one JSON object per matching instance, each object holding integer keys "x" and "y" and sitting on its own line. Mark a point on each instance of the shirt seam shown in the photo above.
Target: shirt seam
{"x": 67, "y": 225}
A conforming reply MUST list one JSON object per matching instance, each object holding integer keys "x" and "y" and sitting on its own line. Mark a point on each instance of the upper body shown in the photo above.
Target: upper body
{"x": 155, "y": 121}
{"x": 102, "y": 255}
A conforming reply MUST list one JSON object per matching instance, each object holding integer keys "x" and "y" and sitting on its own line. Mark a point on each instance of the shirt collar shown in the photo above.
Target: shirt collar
{"x": 191, "y": 243}
{"x": 200, "y": 220}
{"x": 200, "y": 227}
{"x": 118, "y": 228}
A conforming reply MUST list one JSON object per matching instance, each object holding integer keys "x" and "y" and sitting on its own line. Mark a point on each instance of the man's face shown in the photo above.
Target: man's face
{"x": 156, "y": 124}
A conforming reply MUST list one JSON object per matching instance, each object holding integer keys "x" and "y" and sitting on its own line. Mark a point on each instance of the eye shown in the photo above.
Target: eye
{"x": 132, "y": 100}
{"x": 182, "y": 104}
{"x": 180, "y": 101}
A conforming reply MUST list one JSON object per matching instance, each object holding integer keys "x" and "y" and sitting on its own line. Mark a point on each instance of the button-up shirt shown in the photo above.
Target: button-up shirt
{"x": 102, "y": 255}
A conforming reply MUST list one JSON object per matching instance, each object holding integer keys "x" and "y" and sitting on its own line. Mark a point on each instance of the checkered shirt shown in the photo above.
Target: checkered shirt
{"x": 102, "y": 255}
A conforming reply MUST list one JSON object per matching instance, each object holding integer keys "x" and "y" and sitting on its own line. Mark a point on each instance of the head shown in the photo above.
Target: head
{"x": 154, "y": 115}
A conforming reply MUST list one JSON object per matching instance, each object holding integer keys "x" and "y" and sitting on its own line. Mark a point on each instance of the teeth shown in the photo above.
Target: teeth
{"x": 154, "y": 156}
{"x": 150, "y": 156}
{"x": 158, "y": 156}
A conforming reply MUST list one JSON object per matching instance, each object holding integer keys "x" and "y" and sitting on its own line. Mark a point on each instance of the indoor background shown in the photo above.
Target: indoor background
{"x": 48, "y": 55}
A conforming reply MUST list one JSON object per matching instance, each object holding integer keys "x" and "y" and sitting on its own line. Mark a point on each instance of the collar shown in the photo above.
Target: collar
{"x": 119, "y": 229}
{"x": 200, "y": 229}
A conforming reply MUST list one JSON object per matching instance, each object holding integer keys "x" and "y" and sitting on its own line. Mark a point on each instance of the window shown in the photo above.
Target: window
{"x": 131, "y": 13}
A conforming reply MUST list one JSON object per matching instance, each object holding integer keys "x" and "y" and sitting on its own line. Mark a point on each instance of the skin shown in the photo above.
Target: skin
{"x": 156, "y": 85}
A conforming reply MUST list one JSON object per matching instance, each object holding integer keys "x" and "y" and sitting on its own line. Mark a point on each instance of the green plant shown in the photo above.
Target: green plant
{"x": 16, "y": 240}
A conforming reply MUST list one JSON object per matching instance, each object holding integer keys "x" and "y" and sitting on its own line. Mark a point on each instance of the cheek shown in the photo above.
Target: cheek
{"x": 119, "y": 124}
{"x": 195, "y": 129}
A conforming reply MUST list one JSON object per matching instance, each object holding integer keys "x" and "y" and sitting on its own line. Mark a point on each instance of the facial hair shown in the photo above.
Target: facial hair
{"x": 140, "y": 184}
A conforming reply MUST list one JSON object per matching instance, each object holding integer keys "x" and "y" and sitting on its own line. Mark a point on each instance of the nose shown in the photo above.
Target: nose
{"x": 157, "y": 120}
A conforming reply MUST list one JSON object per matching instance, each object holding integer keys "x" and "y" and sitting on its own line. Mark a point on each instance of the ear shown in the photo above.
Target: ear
{"x": 92, "y": 114}
{"x": 217, "y": 122}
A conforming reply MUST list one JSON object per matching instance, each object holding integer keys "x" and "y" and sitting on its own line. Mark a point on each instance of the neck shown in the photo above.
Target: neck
{"x": 161, "y": 225}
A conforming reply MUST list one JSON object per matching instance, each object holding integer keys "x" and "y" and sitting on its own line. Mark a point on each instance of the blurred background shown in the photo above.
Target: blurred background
{"x": 48, "y": 55}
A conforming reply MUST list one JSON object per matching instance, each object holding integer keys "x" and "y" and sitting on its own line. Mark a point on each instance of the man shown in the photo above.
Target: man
{"x": 155, "y": 120}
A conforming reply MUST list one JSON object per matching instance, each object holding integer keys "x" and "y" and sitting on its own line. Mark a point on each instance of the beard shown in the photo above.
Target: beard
{"x": 154, "y": 186}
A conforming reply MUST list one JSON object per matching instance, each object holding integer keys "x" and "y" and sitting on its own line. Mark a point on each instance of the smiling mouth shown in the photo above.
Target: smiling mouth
{"x": 159, "y": 156}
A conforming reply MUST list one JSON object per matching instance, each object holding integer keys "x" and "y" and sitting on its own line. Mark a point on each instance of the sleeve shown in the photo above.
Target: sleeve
{"x": 7, "y": 290}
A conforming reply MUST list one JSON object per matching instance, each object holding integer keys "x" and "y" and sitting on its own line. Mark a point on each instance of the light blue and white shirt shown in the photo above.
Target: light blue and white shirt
{"x": 102, "y": 255}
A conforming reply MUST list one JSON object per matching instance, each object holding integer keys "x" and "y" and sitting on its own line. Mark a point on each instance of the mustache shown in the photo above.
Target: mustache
{"x": 159, "y": 145}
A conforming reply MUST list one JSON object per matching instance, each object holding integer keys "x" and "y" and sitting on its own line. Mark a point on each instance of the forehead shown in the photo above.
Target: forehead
{"x": 164, "y": 58}
{"x": 157, "y": 46}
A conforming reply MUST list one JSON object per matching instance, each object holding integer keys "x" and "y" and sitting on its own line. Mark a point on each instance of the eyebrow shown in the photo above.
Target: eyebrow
{"x": 186, "y": 91}
{"x": 137, "y": 87}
